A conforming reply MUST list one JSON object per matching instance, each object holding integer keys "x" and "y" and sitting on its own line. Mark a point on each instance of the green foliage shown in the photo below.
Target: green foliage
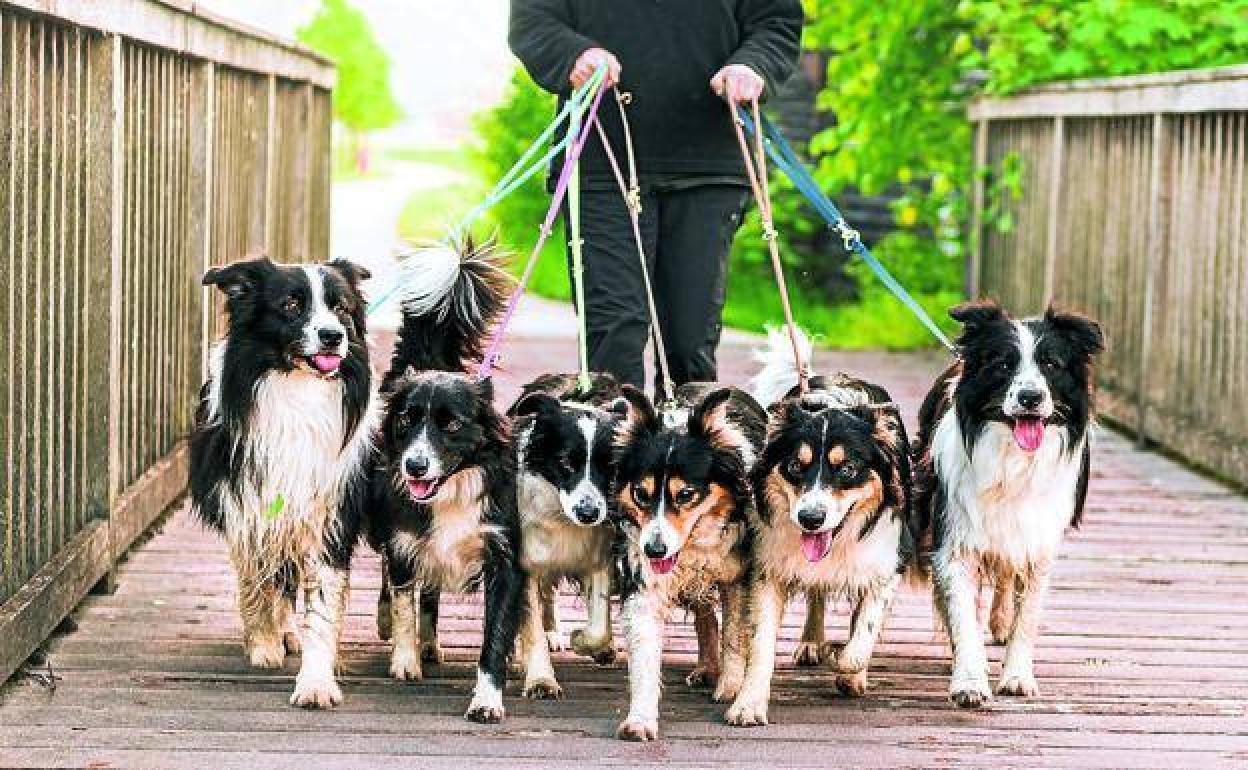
{"x": 362, "y": 99}
{"x": 898, "y": 80}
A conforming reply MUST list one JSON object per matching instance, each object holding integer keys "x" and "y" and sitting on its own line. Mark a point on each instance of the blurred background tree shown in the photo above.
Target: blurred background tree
{"x": 363, "y": 101}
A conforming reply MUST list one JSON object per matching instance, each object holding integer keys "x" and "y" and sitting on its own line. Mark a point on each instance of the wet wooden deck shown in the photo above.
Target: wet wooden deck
{"x": 1143, "y": 661}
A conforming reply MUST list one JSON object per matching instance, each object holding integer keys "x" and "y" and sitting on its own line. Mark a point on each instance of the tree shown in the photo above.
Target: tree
{"x": 362, "y": 99}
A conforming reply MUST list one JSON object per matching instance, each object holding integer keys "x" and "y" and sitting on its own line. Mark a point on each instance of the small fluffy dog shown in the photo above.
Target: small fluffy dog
{"x": 684, "y": 497}
{"x": 834, "y": 518}
{"x": 442, "y": 503}
{"x": 564, "y": 440}
{"x": 1003, "y": 470}
{"x": 282, "y": 435}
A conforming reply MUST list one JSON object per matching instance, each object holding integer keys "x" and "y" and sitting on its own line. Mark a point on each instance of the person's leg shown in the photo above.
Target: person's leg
{"x": 696, "y": 228}
{"x": 617, "y": 319}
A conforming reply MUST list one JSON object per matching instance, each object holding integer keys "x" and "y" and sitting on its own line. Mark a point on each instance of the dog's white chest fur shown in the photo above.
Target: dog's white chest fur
{"x": 1004, "y": 502}
{"x": 295, "y": 465}
{"x": 451, "y": 554}
{"x": 551, "y": 542}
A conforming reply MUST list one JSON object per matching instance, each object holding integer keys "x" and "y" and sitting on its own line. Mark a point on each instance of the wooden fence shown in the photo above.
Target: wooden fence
{"x": 1135, "y": 210}
{"x": 140, "y": 142}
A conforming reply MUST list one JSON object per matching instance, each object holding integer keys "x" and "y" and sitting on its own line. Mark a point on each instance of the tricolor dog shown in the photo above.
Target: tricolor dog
{"x": 833, "y": 520}
{"x": 1003, "y": 459}
{"x": 684, "y": 498}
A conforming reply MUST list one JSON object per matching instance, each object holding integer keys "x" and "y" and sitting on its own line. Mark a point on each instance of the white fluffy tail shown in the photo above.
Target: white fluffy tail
{"x": 779, "y": 374}
{"x": 428, "y": 276}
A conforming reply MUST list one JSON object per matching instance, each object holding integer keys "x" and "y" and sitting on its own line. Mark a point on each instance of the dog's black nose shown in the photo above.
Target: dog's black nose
{"x": 811, "y": 519}
{"x": 585, "y": 513}
{"x": 330, "y": 336}
{"x": 655, "y": 549}
{"x": 416, "y": 467}
{"x": 1030, "y": 398}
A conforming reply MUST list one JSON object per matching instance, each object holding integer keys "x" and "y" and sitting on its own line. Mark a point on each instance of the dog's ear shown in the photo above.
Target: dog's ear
{"x": 977, "y": 316}
{"x": 712, "y": 419}
{"x": 238, "y": 279}
{"x": 639, "y": 419}
{"x": 618, "y": 408}
{"x": 355, "y": 274}
{"x": 537, "y": 403}
{"x": 1082, "y": 332}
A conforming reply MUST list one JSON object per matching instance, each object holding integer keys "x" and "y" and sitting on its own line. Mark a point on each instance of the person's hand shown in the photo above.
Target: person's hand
{"x": 738, "y": 84}
{"x": 589, "y": 61}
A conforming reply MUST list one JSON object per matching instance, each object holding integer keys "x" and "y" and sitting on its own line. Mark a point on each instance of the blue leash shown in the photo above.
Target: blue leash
{"x": 786, "y": 160}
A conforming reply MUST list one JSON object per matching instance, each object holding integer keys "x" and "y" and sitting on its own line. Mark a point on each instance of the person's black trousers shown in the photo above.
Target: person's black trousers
{"x": 687, "y": 234}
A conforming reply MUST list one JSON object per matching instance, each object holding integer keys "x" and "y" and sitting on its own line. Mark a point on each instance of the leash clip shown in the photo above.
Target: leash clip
{"x": 624, "y": 97}
{"x": 848, "y": 234}
{"x": 769, "y": 232}
{"x": 633, "y": 198}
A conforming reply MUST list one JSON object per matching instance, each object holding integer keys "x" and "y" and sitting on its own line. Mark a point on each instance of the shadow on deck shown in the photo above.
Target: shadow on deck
{"x": 1143, "y": 661}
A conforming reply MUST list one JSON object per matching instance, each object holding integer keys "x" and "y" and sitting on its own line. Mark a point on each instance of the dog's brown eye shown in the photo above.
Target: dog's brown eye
{"x": 849, "y": 471}
{"x": 794, "y": 467}
{"x": 686, "y": 496}
{"x": 641, "y": 496}
{"x": 454, "y": 426}
{"x": 292, "y": 304}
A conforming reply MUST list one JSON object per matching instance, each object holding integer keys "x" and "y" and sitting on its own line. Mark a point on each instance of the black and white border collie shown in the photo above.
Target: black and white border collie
{"x": 442, "y": 502}
{"x": 564, "y": 440}
{"x": 834, "y": 519}
{"x": 278, "y": 453}
{"x": 684, "y": 500}
{"x": 1003, "y": 469}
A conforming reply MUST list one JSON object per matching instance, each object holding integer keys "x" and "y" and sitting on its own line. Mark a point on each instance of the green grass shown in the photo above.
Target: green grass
{"x": 878, "y": 321}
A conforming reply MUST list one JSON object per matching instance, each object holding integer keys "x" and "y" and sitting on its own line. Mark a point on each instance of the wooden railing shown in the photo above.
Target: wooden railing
{"x": 140, "y": 142}
{"x": 1135, "y": 210}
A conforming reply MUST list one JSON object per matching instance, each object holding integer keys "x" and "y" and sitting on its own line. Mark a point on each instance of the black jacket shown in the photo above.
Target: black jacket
{"x": 668, "y": 52}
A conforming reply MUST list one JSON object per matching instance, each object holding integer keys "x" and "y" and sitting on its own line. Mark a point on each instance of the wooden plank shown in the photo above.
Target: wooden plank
{"x": 979, "y": 168}
{"x": 190, "y": 32}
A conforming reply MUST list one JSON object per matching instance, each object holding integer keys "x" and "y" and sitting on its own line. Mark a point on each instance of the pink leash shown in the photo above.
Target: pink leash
{"x": 490, "y": 360}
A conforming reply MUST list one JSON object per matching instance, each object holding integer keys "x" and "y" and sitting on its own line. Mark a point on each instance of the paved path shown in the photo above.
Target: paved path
{"x": 1143, "y": 660}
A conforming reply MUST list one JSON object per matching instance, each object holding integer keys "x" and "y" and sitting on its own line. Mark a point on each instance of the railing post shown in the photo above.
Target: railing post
{"x": 979, "y": 162}
{"x": 1055, "y": 193}
{"x": 203, "y": 109}
{"x": 1157, "y": 199}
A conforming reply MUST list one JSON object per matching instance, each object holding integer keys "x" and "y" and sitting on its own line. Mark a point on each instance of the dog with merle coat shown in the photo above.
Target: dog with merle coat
{"x": 442, "y": 497}
{"x": 1003, "y": 465}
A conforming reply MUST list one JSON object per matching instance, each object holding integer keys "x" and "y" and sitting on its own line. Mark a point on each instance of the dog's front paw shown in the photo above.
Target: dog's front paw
{"x": 405, "y": 665}
{"x": 543, "y": 689}
{"x": 431, "y": 652}
{"x": 701, "y": 676}
{"x": 267, "y": 652}
{"x": 487, "y": 703}
{"x": 554, "y": 641}
{"x": 808, "y": 654}
{"x": 316, "y": 692}
{"x": 852, "y": 685}
{"x": 601, "y": 649}
{"x": 726, "y": 689}
{"x": 970, "y": 692}
{"x": 851, "y": 659}
{"x": 747, "y": 711}
{"x": 637, "y": 729}
{"x": 1021, "y": 685}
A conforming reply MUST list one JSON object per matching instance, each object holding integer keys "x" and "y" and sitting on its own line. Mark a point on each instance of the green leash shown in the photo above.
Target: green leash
{"x": 578, "y": 267}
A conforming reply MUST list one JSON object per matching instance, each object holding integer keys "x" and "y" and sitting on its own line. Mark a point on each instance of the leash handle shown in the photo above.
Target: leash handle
{"x": 756, "y": 171}
{"x": 490, "y": 359}
{"x": 632, "y": 200}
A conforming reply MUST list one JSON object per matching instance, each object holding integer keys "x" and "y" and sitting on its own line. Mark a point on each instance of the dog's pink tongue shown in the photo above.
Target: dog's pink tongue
{"x": 815, "y": 545}
{"x": 421, "y": 490}
{"x": 1029, "y": 434}
{"x": 326, "y": 363}
{"x": 664, "y": 565}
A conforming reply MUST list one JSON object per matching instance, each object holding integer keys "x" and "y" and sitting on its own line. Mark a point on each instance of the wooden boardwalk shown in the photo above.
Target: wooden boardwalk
{"x": 1143, "y": 661}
